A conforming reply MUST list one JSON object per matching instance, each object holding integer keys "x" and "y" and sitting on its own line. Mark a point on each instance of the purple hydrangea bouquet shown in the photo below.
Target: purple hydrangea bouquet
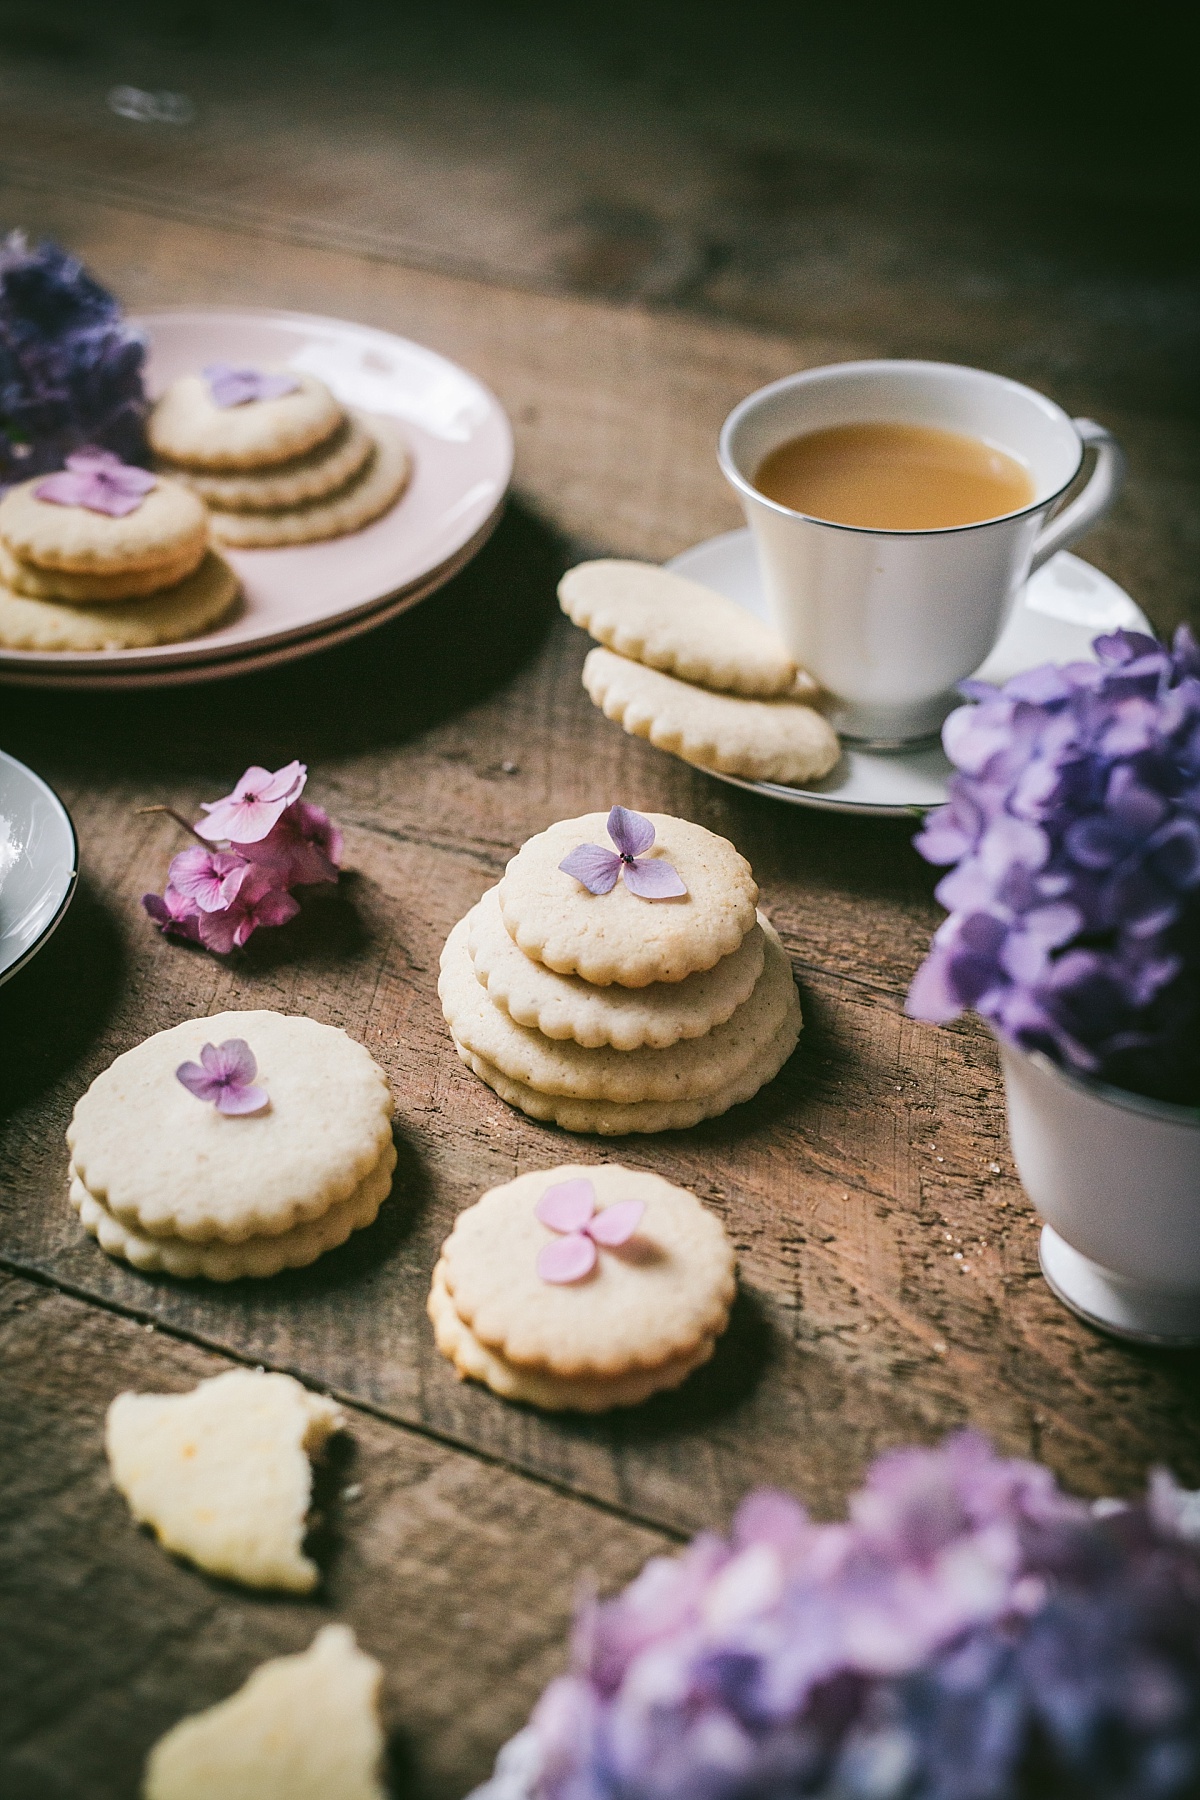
{"x": 70, "y": 368}
{"x": 1073, "y": 828}
{"x": 970, "y": 1632}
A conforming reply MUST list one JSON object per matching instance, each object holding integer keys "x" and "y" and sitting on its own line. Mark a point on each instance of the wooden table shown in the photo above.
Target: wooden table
{"x": 890, "y": 1289}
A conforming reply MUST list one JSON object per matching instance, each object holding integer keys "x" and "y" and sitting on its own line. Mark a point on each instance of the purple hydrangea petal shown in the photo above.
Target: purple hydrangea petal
{"x": 653, "y": 878}
{"x": 241, "y": 1100}
{"x": 198, "y": 1080}
{"x": 615, "y": 1225}
{"x": 593, "y": 866}
{"x": 566, "y": 1259}
{"x": 568, "y": 1205}
{"x": 631, "y": 832}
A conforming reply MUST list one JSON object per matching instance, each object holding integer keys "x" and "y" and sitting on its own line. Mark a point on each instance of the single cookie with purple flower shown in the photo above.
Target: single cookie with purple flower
{"x": 229, "y": 418}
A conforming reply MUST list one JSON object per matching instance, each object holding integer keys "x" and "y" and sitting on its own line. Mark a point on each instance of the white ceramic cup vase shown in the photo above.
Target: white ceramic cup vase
{"x": 1117, "y": 1179}
{"x": 889, "y": 621}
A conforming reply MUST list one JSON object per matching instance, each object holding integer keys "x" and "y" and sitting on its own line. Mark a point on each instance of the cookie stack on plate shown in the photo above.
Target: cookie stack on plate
{"x": 266, "y": 1152}
{"x": 105, "y": 556}
{"x": 582, "y": 1288}
{"x": 606, "y": 1011}
{"x": 697, "y": 675}
{"x": 275, "y": 457}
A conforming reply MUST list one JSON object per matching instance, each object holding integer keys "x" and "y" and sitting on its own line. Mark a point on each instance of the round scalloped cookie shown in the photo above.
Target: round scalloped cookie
{"x": 671, "y": 623}
{"x": 170, "y": 1165}
{"x": 187, "y": 426}
{"x": 612, "y": 1118}
{"x": 656, "y": 1300}
{"x": 197, "y": 603}
{"x": 94, "y": 590}
{"x": 376, "y": 487}
{"x": 616, "y": 936}
{"x": 563, "y": 1006}
{"x": 169, "y": 524}
{"x": 761, "y": 740}
{"x": 687, "y": 1070}
{"x": 313, "y": 476}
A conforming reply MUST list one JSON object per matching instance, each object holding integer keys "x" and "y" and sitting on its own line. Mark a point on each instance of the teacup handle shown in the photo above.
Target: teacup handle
{"x": 1095, "y": 500}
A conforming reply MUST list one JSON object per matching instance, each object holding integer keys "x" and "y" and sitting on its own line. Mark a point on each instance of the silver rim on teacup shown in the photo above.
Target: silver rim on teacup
{"x": 890, "y": 621}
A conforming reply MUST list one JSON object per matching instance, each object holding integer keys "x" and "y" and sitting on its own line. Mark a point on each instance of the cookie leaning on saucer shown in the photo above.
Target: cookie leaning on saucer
{"x": 669, "y": 623}
{"x": 537, "y": 1297}
{"x": 761, "y": 740}
{"x": 171, "y": 1168}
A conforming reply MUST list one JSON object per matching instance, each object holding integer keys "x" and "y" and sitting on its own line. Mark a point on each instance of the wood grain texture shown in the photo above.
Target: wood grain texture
{"x": 457, "y": 1576}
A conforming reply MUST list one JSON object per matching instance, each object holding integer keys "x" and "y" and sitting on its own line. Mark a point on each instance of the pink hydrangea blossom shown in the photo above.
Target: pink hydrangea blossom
{"x": 255, "y": 806}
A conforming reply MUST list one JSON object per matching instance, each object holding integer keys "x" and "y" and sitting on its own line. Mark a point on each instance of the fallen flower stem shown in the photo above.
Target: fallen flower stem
{"x": 178, "y": 818}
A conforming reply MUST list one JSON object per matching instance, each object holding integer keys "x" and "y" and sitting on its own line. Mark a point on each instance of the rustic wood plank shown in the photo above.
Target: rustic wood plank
{"x": 458, "y": 1576}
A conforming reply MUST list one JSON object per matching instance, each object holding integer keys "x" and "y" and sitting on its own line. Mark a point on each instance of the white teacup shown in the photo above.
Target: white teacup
{"x": 889, "y": 621}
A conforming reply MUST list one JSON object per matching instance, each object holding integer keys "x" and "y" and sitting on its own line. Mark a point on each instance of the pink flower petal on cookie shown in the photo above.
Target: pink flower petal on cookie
{"x": 567, "y": 1259}
{"x": 653, "y": 878}
{"x": 616, "y": 1224}
{"x": 568, "y": 1205}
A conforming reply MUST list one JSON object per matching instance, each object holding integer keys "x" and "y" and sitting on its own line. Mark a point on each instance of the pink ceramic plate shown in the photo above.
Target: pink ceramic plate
{"x": 305, "y": 598}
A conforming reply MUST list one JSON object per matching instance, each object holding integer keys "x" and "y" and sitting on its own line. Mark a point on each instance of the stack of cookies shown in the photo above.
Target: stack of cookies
{"x": 266, "y": 1152}
{"x": 103, "y": 556}
{"x": 275, "y": 457}
{"x": 640, "y": 1306}
{"x": 697, "y": 675}
{"x": 609, "y": 1012}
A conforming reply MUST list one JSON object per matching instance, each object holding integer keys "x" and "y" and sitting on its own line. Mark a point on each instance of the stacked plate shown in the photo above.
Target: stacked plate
{"x": 310, "y": 597}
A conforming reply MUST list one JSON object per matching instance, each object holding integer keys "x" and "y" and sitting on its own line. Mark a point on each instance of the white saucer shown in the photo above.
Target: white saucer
{"x": 1063, "y": 607}
{"x": 39, "y": 862}
{"x": 306, "y": 597}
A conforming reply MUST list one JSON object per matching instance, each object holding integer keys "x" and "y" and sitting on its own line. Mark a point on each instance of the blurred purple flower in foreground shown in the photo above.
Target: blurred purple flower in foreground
{"x": 274, "y": 842}
{"x": 970, "y": 1633}
{"x": 1074, "y": 829}
{"x": 70, "y": 368}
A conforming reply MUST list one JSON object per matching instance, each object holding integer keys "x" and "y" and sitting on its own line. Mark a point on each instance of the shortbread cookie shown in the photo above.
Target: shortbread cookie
{"x": 685, "y": 1071}
{"x": 319, "y": 472}
{"x": 762, "y": 740}
{"x": 302, "y": 1728}
{"x": 169, "y": 1165}
{"x": 563, "y": 1006}
{"x": 201, "y": 600}
{"x": 91, "y": 590}
{"x": 188, "y": 426}
{"x": 257, "y": 1257}
{"x": 617, "y": 936}
{"x": 168, "y": 524}
{"x": 677, "y": 625}
{"x": 654, "y": 1301}
{"x": 611, "y": 1118}
{"x": 535, "y": 1387}
{"x": 376, "y": 487}
{"x": 222, "y": 1474}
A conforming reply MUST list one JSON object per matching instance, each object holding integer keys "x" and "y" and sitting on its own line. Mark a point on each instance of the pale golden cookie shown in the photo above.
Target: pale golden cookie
{"x": 617, "y": 936}
{"x": 172, "y": 1166}
{"x": 201, "y": 600}
{"x": 609, "y": 1118}
{"x": 188, "y": 426}
{"x": 563, "y": 1006}
{"x": 670, "y": 623}
{"x": 301, "y": 1728}
{"x": 169, "y": 524}
{"x": 553, "y": 1393}
{"x": 377, "y": 486}
{"x": 320, "y": 471}
{"x": 222, "y": 1473}
{"x": 686, "y": 1070}
{"x": 761, "y": 740}
{"x": 91, "y": 590}
{"x": 655, "y": 1300}
{"x": 256, "y": 1257}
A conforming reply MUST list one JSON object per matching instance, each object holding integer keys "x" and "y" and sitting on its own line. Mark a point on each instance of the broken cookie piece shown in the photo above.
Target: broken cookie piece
{"x": 222, "y": 1474}
{"x": 302, "y": 1728}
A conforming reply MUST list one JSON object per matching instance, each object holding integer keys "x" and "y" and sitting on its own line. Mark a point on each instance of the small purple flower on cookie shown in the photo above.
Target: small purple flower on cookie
{"x": 649, "y": 877}
{"x": 224, "y": 1077}
{"x": 98, "y": 480}
{"x": 255, "y": 806}
{"x": 569, "y": 1208}
{"x": 237, "y": 387}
